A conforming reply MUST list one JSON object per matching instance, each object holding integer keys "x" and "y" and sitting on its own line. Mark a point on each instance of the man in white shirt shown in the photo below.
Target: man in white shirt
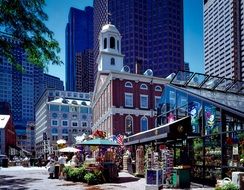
{"x": 61, "y": 160}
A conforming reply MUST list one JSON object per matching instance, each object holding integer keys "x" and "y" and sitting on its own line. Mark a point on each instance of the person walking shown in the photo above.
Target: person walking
{"x": 61, "y": 160}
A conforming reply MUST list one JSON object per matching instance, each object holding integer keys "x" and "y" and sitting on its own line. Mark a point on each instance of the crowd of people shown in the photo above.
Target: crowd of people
{"x": 58, "y": 163}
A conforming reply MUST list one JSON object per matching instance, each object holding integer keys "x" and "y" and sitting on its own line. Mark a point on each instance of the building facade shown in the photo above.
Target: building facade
{"x": 151, "y": 30}
{"x": 61, "y": 115}
{"x": 52, "y": 82}
{"x": 20, "y": 89}
{"x": 123, "y": 102}
{"x": 223, "y": 38}
{"x": 84, "y": 71}
{"x": 78, "y": 36}
{"x": 7, "y": 135}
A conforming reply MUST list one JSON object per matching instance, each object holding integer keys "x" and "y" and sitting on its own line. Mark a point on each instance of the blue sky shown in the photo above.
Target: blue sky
{"x": 193, "y": 30}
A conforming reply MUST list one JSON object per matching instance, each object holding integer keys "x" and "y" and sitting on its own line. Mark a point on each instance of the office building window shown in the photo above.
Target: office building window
{"x": 143, "y": 87}
{"x": 158, "y": 88}
{"x": 65, "y": 123}
{"x": 144, "y": 124}
{"x": 74, "y": 124}
{"x": 128, "y": 85}
{"x": 128, "y": 100}
{"x": 144, "y": 101}
{"x": 54, "y": 122}
{"x": 157, "y": 101}
{"x": 128, "y": 124}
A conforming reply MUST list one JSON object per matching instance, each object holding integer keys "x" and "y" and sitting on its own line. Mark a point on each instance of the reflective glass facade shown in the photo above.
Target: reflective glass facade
{"x": 152, "y": 33}
{"x": 78, "y": 36}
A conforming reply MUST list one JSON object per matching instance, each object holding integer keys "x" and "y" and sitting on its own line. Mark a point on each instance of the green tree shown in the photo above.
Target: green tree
{"x": 24, "y": 21}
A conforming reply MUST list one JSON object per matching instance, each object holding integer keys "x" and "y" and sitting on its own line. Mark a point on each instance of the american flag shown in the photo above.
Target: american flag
{"x": 120, "y": 139}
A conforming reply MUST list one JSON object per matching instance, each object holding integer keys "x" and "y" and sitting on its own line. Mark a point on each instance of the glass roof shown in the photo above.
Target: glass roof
{"x": 208, "y": 82}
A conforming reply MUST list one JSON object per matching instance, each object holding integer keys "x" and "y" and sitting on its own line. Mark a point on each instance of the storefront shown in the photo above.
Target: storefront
{"x": 215, "y": 106}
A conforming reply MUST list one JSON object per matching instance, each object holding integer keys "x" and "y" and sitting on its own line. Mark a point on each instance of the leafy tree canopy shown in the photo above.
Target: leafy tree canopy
{"x": 24, "y": 20}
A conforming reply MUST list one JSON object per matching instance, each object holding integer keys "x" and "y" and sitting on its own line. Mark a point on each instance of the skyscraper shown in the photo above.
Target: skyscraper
{"x": 84, "y": 71}
{"x": 53, "y": 82}
{"x": 223, "y": 38}
{"x": 20, "y": 89}
{"x": 79, "y": 36}
{"x": 152, "y": 32}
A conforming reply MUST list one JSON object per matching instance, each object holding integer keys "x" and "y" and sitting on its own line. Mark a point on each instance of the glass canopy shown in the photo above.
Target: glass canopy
{"x": 208, "y": 82}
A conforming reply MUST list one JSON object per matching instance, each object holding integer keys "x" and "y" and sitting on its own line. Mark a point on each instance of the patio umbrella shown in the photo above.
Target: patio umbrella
{"x": 61, "y": 141}
{"x": 99, "y": 141}
{"x": 69, "y": 149}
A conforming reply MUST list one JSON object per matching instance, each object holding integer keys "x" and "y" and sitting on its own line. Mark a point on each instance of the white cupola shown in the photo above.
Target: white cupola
{"x": 110, "y": 57}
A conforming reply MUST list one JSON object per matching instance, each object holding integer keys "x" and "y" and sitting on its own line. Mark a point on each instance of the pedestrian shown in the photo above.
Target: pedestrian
{"x": 51, "y": 168}
{"x": 74, "y": 161}
{"x": 61, "y": 160}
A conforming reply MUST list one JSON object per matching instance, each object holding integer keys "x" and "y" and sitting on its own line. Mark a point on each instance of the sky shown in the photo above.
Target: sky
{"x": 58, "y": 11}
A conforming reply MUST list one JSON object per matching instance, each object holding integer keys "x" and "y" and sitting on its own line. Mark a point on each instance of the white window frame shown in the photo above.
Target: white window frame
{"x": 158, "y": 88}
{"x": 143, "y": 86}
{"x": 52, "y": 122}
{"x": 84, "y": 122}
{"x": 128, "y": 84}
{"x": 129, "y": 116}
{"x": 141, "y": 123}
{"x": 143, "y": 96}
{"x": 126, "y": 95}
{"x": 73, "y": 123}
{"x": 155, "y": 101}
{"x": 67, "y": 123}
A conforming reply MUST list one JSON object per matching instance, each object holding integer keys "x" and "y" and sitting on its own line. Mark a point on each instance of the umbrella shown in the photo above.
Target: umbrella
{"x": 99, "y": 141}
{"x": 69, "y": 149}
{"x": 61, "y": 141}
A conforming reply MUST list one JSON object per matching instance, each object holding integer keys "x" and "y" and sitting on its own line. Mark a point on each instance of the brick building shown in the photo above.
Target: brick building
{"x": 123, "y": 102}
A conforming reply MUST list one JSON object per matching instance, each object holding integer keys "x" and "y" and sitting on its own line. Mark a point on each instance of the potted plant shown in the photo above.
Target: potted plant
{"x": 90, "y": 178}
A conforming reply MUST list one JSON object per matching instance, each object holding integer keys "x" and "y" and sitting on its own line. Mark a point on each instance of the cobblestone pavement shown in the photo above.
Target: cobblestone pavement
{"x": 34, "y": 178}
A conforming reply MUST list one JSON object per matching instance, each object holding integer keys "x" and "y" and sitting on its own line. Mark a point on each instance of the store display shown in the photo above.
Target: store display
{"x": 140, "y": 161}
{"x": 167, "y": 166}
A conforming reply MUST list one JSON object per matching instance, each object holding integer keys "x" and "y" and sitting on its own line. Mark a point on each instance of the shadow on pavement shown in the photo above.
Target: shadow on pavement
{"x": 126, "y": 179}
{"x": 9, "y": 182}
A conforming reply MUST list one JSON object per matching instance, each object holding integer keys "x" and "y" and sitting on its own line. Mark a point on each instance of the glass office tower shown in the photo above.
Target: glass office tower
{"x": 152, "y": 33}
{"x": 79, "y": 37}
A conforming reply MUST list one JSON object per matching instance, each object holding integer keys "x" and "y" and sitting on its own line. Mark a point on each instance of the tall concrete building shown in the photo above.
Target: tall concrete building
{"x": 79, "y": 37}
{"x": 53, "y": 82}
{"x": 20, "y": 89}
{"x": 151, "y": 30}
{"x": 224, "y": 38}
{"x": 84, "y": 71}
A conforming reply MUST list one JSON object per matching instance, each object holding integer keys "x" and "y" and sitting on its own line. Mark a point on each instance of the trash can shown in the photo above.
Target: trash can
{"x": 4, "y": 162}
{"x": 181, "y": 178}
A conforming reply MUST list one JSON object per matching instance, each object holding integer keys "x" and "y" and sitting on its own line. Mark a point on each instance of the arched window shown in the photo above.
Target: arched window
{"x": 112, "y": 42}
{"x": 144, "y": 124}
{"x": 118, "y": 45}
{"x": 143, "y": 87}
{"x": 112, "y": 61}
{"x": 128, "y": 85}
{"x": 54, "y": 131}
{"x": 65, "y": 131}
{"x": 158, "y": 88}
{"x": 105, "y": 43}
{"x": 128, "y": 124}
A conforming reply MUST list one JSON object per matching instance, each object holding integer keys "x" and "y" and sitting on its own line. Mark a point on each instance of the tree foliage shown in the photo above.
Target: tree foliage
{"x": 24, "y": 20}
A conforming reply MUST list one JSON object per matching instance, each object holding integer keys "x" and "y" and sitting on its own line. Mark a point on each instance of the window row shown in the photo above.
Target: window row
{"x": 143, "y": 101}
{"x": 65, "y": 116}
{"x": 65, "y": 131}
{"x": 143, "y": 86}
{"x": 64, "y": 108}
{"x": 65, "y": 123}
{"x": 129, "y": 126}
